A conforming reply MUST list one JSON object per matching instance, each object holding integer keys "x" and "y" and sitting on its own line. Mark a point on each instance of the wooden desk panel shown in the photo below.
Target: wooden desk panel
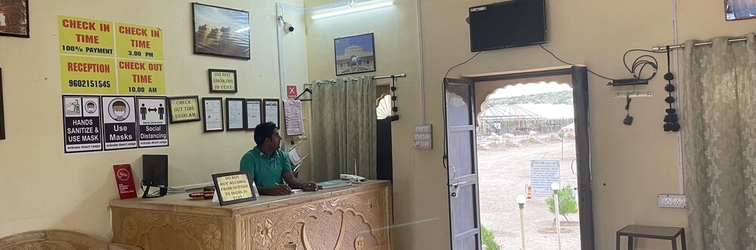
{"x": 355, "y": 217}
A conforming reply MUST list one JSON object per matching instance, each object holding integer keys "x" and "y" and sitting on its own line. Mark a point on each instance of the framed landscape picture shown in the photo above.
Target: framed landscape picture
{"x": 221, "y": 31}
{"x": 354, "y": 54}
{"x": 16, "y": 18}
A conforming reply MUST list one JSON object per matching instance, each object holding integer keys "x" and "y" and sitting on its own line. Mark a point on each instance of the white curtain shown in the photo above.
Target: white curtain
{"x": 719, "y": 143}
{"x": 344, "y": 128}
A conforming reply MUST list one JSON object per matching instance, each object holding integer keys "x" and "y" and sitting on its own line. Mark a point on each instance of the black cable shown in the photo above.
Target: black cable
{"x": 641, "y": 61}
{"x": 628, "y": 119}
{"x": 445, "y": 157}
{"x": 459, "y": 64}
{"x": 568, "y": 63}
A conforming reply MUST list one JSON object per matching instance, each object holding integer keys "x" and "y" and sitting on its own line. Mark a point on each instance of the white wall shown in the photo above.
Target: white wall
{"x": 47, "y": 189}
{"x": 631, "y": 164}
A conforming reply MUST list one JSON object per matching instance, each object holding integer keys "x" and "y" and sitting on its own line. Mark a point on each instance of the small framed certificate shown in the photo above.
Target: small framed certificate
{"x": 235, "y": 114}
{"x": 184, "y": 109}
{"x": 271, "y": 111}
{"x": 233, "y": 187}
{"x": 254, "y": 113}
{"x": 212, "y": 108}
{"x": 222, "y": 80}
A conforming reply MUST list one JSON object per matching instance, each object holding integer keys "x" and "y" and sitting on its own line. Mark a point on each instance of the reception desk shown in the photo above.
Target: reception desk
{"x": 354, "y": 217}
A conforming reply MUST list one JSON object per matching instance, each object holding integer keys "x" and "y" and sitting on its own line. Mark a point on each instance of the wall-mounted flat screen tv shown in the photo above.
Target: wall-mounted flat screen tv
{"x": 507, "y": 24}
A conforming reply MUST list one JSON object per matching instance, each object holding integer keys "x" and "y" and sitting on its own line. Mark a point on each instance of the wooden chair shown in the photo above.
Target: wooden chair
{"x": 58, "y": 240}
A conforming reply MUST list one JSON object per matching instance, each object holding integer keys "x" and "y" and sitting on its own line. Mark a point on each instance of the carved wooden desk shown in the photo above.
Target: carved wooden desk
{"x": 355, "y": 217}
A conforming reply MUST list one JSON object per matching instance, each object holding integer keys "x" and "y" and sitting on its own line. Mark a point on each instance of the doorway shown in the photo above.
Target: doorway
{"x": 462, "y": 104}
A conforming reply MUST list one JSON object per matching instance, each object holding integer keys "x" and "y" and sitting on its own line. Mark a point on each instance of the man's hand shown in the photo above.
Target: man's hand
{"x": 309, "y": 186}
{"x": 280, "y": 189}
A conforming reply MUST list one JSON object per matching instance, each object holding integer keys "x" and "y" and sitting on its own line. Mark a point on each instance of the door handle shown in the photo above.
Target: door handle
{"x": 455, "y": 188}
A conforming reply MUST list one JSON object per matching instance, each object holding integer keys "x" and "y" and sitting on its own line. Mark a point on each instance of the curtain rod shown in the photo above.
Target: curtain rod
{"x": 680, "y": 46}
{"x": 390, "y": 76}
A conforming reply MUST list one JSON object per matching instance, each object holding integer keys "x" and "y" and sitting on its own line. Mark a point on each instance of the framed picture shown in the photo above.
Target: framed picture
{"x": 183, "y": 109}
{"x": 254, "y": 113}
{"x": 233, "y": 187}
{"x": 354, "y": 54}
{"x": 739, "y": 9}
{"x": 2, "y": 115}
{"x": 222, "y": 80}
{"x": 235, "y": 114}
{"x": 212, "y": 108}
{"x": 16, "y": 15}
{"x": 271, "y": 109}
{"x": 221, "y": 31}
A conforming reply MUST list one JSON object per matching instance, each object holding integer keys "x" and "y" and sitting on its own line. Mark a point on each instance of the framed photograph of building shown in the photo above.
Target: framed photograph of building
{"x": 739, "y": 9}
{"x": 354, "y": 54}
{"x": 16, "y": 16}
{"x": 221, "y": 31}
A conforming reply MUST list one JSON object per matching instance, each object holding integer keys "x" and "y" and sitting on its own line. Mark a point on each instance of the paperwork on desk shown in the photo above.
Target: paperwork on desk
{"x": 294, "y": 157}
{"x": 293, "y": 117}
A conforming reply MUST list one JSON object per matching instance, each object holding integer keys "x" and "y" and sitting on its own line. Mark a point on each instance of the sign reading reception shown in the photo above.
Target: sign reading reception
{"x": 103, "y": 57}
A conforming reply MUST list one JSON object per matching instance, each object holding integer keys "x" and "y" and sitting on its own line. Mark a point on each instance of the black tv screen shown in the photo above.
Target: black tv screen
{"x": 507, "y": 24}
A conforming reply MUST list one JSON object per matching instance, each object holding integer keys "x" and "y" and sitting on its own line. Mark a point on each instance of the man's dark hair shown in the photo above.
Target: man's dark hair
{"x": 264, "y": 131}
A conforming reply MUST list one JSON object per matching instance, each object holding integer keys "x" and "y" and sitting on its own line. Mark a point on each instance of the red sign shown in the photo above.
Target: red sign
{"x": 124, "y": 181}
{"x": 291, "y": 91}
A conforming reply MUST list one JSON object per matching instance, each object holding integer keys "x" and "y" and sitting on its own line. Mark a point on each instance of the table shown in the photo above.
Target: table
{"x": 353, "y": 217}
{"x": 652, "y": 232}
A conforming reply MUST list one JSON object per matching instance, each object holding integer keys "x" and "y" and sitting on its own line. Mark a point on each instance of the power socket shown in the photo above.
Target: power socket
{"x": 672, "y": 200}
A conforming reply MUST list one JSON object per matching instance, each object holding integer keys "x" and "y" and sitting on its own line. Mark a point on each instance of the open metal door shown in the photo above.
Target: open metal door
{"x": 462, "y": 164}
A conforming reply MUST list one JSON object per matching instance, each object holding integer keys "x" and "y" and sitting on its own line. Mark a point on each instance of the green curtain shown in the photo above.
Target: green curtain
{"x": 718, "y": 104}
{"x": 344, "y": 128}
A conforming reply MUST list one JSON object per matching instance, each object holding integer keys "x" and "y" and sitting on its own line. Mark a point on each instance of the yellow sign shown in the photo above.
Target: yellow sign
{"x": 140, "y": 77}
{"x": 139, "y": 42}
{"x": 79, "y": 36}
{"x": 103, "y": 57}
{"x": 184, "y": 109}
{"x": 88, "y": 75}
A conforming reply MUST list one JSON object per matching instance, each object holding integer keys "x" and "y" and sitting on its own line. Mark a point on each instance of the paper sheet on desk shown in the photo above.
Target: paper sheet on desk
{"x": 294, "y": 157}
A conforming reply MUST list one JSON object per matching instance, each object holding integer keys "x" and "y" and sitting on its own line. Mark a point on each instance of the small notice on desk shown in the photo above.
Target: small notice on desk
{"x": 124, "y": 181}
{"x": 233, "y": 187}
{"x": 293, "y": 117}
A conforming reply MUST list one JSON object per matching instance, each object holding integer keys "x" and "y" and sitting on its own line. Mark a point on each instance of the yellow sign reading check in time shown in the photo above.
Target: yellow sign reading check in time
{"x": 103, "y": 57}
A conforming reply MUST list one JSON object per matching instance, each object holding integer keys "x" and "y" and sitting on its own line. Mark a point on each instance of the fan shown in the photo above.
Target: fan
{"x": 383, "y": 107}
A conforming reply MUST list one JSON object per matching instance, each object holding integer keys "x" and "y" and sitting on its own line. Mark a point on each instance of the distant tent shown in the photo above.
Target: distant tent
{"x": 523, "y": 118}
{"x": 508, "y": 112}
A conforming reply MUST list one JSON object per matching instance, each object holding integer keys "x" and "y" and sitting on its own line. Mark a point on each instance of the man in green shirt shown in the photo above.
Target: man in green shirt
{"x": 268, "y": 166}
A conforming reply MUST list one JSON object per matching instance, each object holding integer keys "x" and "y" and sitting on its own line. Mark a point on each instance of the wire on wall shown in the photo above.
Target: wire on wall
{"x": 640, "y": 63}
{"x": 445, "y": 158}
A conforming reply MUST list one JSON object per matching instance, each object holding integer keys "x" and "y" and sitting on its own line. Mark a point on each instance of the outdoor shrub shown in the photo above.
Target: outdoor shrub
{"x": 567, "y": 202}
{"x": 488, "y": 238}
